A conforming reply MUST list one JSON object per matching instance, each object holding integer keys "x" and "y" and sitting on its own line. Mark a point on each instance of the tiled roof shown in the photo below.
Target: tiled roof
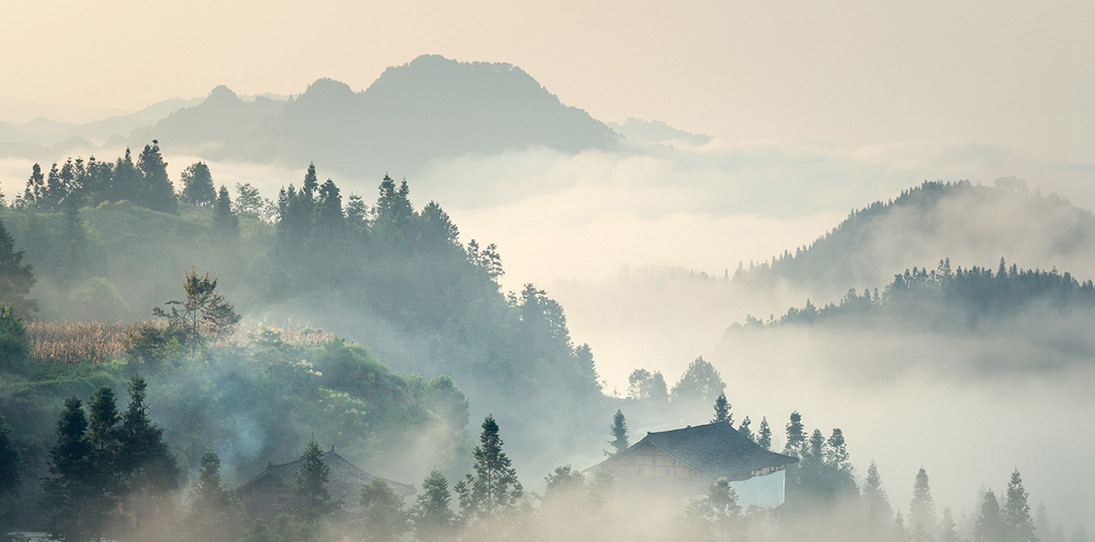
{"x": 717, "y": 450}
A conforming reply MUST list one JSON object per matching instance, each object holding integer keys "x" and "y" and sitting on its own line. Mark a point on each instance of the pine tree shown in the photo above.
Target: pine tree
{"x": 198, "y": 186}
{"x": 1019, "y": 524}
{"x": 226, "y": 225}
{"x": 796, "y": 436}
{"x": 215, "y": 514}
{"x": 949, "y": 532}
{"x": 156, "y": 192}
{"x": 990, "y": 526}
{"x": 745, "y": 431}
{"x": 922, "y": 509}
{"x": 722, "y": 410}
{"x": 73, "y": 242}
{"x": 494, "y": 489}
{"x": 16, "y": 278}
{"x": 764, "y": 434}
{"x": 311, "y": 480}
{"x": 432, "y": 515}
{"x": 619, "y": 433}
{"x": 11, "y": 463}
{"x": 144, "y": 459}
{"x": 877, "y": 505}
{"x": 385, "y": 519}
{"x": 36, "y": 186}
{"x": 68, "y": 495}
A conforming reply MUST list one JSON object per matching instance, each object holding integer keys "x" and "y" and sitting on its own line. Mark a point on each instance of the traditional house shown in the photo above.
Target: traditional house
{"x": 272, "y": 491}
{"x": 687, "y": 461}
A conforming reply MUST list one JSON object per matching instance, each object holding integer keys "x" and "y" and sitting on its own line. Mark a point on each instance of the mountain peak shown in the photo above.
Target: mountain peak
{"x": 328, "y": 89}
{"x": 221, "y": 93}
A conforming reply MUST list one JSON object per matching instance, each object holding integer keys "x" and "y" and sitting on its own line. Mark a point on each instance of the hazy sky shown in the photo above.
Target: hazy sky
{"x": 855, "y": 72}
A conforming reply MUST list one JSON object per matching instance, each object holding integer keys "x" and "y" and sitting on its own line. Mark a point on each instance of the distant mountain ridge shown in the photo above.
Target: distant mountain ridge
{"x": 429, "y": 108}
{"x": 967, "y": 223}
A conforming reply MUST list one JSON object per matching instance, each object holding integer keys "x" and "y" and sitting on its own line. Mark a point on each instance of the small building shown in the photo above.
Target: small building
{"x": 687, "y": 461}
{"x": 273, "y": 491}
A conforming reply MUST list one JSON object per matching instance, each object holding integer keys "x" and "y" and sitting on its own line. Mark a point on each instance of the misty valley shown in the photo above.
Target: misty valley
{"x": 193, "y": 358}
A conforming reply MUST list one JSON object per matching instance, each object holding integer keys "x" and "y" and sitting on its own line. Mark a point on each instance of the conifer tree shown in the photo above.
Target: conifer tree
{"x": 722, "y": 410}
{"x": 989, "y": 526}
{"x": 215, "y": 514}
{"x": 73, "y": 242}
{"x": 11, "y": 463}
{"x": 16, "y": 278}
{"x": 1019, "y": 524}
{"x": 619, "y": 433}
{"x": 494, "y": 489}
{"x": 922, "y": 509}
{"x": 764, "y": 434}
{"x": 36, "y": 186}
{"x": 745, "y": 431}
{"x": 385, "y": 519}
{"x": 156, "y": 191}
{"x": 311, "y": 480}
{"x": 226, "y": 225}
{"x": 948, "y": 527}
{"x": 198, "y": 186}
{"x": 68, "y": 495}
{"x": 144, "y": 459}
{"x": 432, "y": 515}
{"x": 877, "y": 505}
{"x": 796, "y": 436}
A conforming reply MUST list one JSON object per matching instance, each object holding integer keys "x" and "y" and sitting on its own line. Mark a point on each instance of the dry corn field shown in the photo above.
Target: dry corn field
{"x": 76, "y": 342}
{"x": 99, "y": 342}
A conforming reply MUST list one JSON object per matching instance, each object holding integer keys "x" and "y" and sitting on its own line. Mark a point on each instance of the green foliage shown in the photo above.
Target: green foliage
{"x": 432, "y": 514}
{"x": 948, "y": 300}
{"x": 11, "y": 461}
{"x": 619, "y": 433}
{"x": 701, "y": 382}
{"x": 69, "y": 495}
{"x": 722, "y": 410}
{"x": 717, "y": 516}
{"x": 13, "y": 339}
{"x": 764, "y": 434}
{"x": 226, "y": 226}
{"x": 215, "y": 514}
{"x": 494, "y": 489}
{"x": 921, "y": 509}
{"x": 311, "y": 481}
{"x": 385, "y": 519}
{"x": 16, "y": 277}
{"x": 990, "y": 525}
{"x": 204, "y": 314}
{"x": 745, "y": 430}
{"x": 156, "y": 191}
{"x": 198, "y": 186}
{"x": 1017, "y": 519}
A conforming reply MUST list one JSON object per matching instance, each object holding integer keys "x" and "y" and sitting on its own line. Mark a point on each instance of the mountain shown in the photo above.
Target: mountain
{"x": 430, "y": 108}
{"x": 658, "y": 132}
{"x": 969, "y": 224}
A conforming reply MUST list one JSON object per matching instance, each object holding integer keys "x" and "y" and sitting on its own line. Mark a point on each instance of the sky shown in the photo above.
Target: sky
{"x": 842, "y": 72}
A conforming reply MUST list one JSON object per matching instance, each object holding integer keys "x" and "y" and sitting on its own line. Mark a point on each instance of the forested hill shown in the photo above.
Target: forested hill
{"x": 967, "y": 223}
{"x": 110, "y": 240}
{"x": 429, "y": 108}
{"x": 956, "y": 300}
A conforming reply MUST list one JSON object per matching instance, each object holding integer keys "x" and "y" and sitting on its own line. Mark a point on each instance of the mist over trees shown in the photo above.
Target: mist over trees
{"x": 444, "y": 344}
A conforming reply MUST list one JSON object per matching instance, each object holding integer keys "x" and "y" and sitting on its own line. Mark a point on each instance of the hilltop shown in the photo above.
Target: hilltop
{"x": 969, "y": 224}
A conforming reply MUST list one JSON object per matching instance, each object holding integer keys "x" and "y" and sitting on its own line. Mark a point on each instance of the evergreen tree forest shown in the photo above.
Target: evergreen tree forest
{"x": 943, "y": 299}
{"x": 244, "y": 330}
